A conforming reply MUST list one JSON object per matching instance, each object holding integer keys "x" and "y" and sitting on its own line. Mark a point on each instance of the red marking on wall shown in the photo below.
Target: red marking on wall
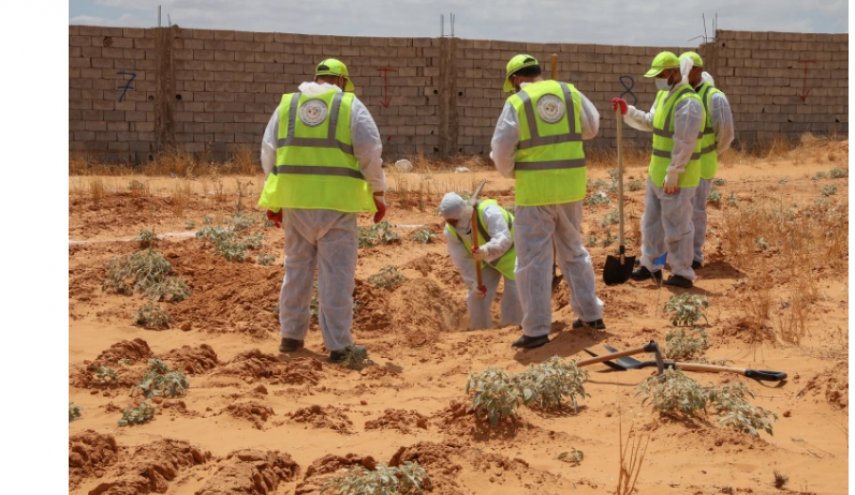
{"x": 386, "y": 97}
{"x": 803, "y": 94}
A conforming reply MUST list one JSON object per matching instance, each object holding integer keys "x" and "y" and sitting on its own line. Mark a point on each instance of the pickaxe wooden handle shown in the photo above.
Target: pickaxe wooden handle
{"x": 473, "y": 200}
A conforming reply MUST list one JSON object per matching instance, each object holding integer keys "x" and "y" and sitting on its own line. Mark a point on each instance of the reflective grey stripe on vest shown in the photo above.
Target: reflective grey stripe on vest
{"x": 328, "y": 142}
{"x": 483, "y": 231}
{"x": 667, "y": 154}
{"x": 536, "y": 139}
{"x": 553, "y": 165}
{"x": 318, "y": 170}
{"x": 709, "y": 149}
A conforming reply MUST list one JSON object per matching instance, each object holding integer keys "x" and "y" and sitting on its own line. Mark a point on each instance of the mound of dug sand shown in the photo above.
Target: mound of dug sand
{"x": 423, "y": 309}
{"x": 251, "y": 472}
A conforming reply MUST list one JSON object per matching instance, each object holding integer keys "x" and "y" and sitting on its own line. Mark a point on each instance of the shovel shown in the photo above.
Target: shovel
{"x": 624, "y": 363}
{"x": 651, "y": 347}
{"x": 556, "y": 278}
{"x": 473, "y": 200}
{"x": 618, "y": 268}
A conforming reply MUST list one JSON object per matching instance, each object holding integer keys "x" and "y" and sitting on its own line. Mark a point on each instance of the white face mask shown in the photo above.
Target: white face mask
{"x": 663, "y": 85}
{"x": 524, "y": 84}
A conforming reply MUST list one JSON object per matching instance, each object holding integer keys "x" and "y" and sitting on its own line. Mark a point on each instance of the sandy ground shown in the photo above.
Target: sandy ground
{"x": 249, "y": 423}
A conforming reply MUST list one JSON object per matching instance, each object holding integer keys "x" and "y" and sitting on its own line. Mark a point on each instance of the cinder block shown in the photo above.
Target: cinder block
{"x": 224, "y": 35}
{"x": 133, "y": 33}
{"x": 244, "y": 35}
{"x": 223, "y": 55}
{"x": 215, "y": 45}
{"x": 203, "y": 55}
{"x": 235, "y": 45}
{"x": 263, "y": 37}
{"x": 243, "y": 56}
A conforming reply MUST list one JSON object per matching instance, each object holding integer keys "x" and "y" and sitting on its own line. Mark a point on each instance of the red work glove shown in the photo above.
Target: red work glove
{"x": 481, "y": 293}
{"x": 276, "y": 218}
{"x": 619, "y": 102}
{"x": 380, "y": 203}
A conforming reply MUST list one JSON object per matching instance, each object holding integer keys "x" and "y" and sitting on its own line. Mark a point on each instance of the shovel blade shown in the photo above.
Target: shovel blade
{"x": 629, "y": 363}
{"x": 616, "y": 272}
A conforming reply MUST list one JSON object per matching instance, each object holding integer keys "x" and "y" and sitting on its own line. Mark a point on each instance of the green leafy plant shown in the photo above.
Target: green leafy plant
{"x": 733, "y": 200}
{"x": 228, "y": 244}
{"x": 609, "y": 239}
{"x": 207, "y": 220}
{"x": 377, "y": 234}
{"x": 591, "y": 241}
{"x": 423, "y": 235}
{"x": 737, "y": 413}
{"x": 355, "y": 358}
{"x": 574, "y": 457}
{"x": 388, "y": 277}
{"x": 189, "y": 225}
{"x": 106, "y": 376}
{"x": 152, "y": 316}
{"x": 145, "y": 272}
{"x": 681, "y": 345}
{"x": 547, "y": 383}
{"x": 147, "y": 238}
{"x": 241, "y": 221}
{"x": 599, "y": 184}
{"x": 820, "y": 175}
{"x": 137, "y": 188}
{"x": 73, "y": 411}
{"x": 714, "y": 196}
{"x": 673, "y": 393}
{"x": 782, "y": 181}
{"x": 383, "y": 480}
{"x": 686, "y": 309}
{"x": 635, "y": 185}
{"x": 158, "y": 381}
{"x": 137, "y": 415}
{"x": 266, "y": 259}
{"x": 598, "y": 198}
{"x": 613, "y": 174}
{"x": 610, "y": 218}
{"x": 838, "y": 173}
{"x": 494, "y": 395}
{"x": 718, "y": 181}
{"x": 829, "y": 190}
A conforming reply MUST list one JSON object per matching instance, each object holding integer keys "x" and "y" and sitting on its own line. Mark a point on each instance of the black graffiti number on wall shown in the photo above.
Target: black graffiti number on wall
{"x": 628, "y": 89}
{"x": 127, "y": 85}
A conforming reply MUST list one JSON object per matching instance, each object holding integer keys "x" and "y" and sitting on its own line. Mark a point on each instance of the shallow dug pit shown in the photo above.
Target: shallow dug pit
{"x": 425, "y": 309}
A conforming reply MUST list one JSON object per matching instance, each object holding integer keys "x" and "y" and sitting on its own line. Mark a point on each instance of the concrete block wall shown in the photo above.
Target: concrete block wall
{"x": 210, "y": 91}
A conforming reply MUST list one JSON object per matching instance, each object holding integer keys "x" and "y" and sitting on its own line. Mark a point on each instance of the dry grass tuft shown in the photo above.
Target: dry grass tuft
{"x": 632, "y": 451}
{"x": 181, "y": 195}
{"x": 96, "y": 190}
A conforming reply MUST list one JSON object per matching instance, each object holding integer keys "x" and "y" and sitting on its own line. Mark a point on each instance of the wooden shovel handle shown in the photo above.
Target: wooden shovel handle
{"x": 475, "y": 244}
{"x": 554, "y": 67}
{"x": 771, "y": 376}
{"x": 609, "y": 357}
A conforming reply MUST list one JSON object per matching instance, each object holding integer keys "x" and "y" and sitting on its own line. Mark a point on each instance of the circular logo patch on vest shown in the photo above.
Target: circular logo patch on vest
{"x": 313, "y": 112}
{"x": 550, "y": 109}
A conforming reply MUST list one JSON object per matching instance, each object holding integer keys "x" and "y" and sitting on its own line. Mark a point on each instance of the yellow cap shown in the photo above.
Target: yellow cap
{"x": 517, "y": 63}
{"x": 665, "y": 60}
{"x": 697, "y": 61}
{"x": 334, "y": 67}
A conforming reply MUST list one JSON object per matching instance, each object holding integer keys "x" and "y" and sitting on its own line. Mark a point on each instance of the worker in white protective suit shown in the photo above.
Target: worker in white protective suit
{"x": 676, "y": 121}
{"x": 717, "y": 136}
{"x": 538, "y": 141}
{"x": 321, "y": 155}
{"x": 496, "y": 254}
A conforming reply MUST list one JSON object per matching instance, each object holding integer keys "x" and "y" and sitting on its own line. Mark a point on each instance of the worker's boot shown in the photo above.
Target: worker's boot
{"x": 338, "y": 356}
{"x": 290, "y": 345}
{"x": 696, "y": 265}
{"x": 526, "y": 342}
{"x": 678, "y": 281}
{"x": 644, "y": 274}
{"x": 594, "y": 325}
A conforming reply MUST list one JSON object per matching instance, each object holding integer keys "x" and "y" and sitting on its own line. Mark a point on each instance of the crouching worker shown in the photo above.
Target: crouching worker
{"x": 494, "y": 228}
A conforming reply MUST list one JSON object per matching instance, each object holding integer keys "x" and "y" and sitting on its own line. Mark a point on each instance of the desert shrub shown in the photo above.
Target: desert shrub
{"x": 829, "y": 190}
{"x": 686, "y": 308}
{"x": 733, "y": 200}
{"x": 547, "y": 383}
{"x": 147, "y": 238}
{"x": 838, "y": 173}
{"x": 494, "y": 395}
{"x": 599, "y": 184}
{"x": 736, "y": 412}
{"x": 383, "y": 480}
{"x": 355, "y": 357}
{"x": 683, "y": 346}
{"x": 573, "y": 457}
{"x": 377, "y": 234}
{"x": 820, "y": 175}
{"x": 228, "y": 244}
{"x": 158, "y": 381}
{"x": 635, "y": 185}
{"x": 156, "y": 364}
{"x": 598, "y": 198}
{"x": 138, "y": 188}
{"x": 207, "y": 220}
{"x": 714, "y": 196}
{"x": 152, "y": 316}
{"x": 673, "y": 393}
{"x": 73, "y": 411}
{"x": 388, "y": 277}
{"x": 718, "y": 181}
{"x": 137, "y": 415}
{"x": 106, "y": 376}
{"x": 266, "y": 259}
{"x": 189, "y": 225}
{"x": 241, "y": 221}
{"x": 423, "y": 235}
{"x": 591, "y": 241}
{"x": 146, "y": 272}
{"x": 610, "y": 218}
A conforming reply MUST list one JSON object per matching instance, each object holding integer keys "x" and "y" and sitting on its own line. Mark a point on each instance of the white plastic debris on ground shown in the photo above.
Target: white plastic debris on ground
{"x": 459, "y": 170}
{"x": 403, "y": 166}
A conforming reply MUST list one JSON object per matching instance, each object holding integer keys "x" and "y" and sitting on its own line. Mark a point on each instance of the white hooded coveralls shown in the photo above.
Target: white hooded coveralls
{"x": 324, "y": 239}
